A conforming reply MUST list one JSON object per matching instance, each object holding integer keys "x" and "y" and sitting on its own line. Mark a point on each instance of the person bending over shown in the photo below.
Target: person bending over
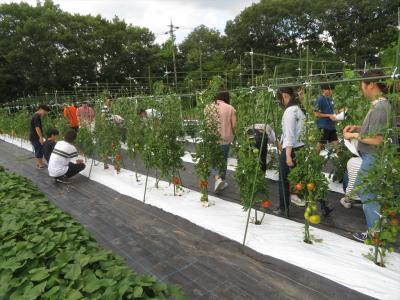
{"x": 60, "y": 166}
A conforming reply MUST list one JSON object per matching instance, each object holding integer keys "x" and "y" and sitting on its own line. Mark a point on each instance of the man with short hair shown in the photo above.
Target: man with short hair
{"x": 60, "y": 165}
{"x": 36, "y": 134}
{"x": 50, "y": 143}
{"x": 326, "y": 117}
{"x": 70, "y": 113}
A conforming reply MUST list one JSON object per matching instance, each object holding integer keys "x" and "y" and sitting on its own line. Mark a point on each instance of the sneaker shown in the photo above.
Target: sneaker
{"x": 346, "y": 202}
{"x": 63, "y": 180}
{"x": 224, "y": 186}
{"x": 279, "y": 211}
{"x": 297, "y": 201}
{"x": 325, "y": 208}
{"x": 219, "y": 183}
{"x": 360, "y": 236}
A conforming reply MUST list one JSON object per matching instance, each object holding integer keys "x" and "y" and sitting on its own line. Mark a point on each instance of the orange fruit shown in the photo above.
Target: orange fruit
{"x": 266, "y": 203}
{"x": 203, "y": 184}
{"x": 310, "y": 186}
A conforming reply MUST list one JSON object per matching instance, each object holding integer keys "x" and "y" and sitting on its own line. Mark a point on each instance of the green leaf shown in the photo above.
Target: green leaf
{"x": 92, "y": 283}
{"x": 82, "y": 259}
{"x": 71, "y": 294}
{"x": 72, "y": 271}
{"x": 35, "y": 292}
{"x": 49, "y": 294}
{"x": 137, "y": 292}
{"x": 64, "y": 257}
{"x": 10, "y": 264}
{"x": 39, "y": 274}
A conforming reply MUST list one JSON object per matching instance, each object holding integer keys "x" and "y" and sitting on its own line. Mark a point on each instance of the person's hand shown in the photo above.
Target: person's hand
{"x": 41, "y": 141}
{"x": 349, "y": 128}
{"x": 332, "y": 117}
{"x": 350, "y": 135}
{"x": 79, "y": 161}
{"x": 289, "y": 162}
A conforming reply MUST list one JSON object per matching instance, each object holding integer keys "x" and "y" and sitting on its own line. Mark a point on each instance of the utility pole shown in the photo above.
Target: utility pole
{"x": 171, "y": 31}
{"x": 201, "y": 70}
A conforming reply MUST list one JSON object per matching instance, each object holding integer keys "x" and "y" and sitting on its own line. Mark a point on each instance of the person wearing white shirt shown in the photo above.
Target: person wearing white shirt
{"x": 60, "y": 166}
{"x": 292, "y": 128}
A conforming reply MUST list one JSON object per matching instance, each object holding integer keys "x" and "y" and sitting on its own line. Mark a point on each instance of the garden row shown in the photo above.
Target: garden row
{"x": 160, "y": 143}
{"x": 45, "y": 254}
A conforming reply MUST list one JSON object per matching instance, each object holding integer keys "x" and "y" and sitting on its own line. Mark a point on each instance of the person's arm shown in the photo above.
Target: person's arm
{"x": 37, "y": 124}
{"x": 373, "y": 140}
{"x": 78, "y": 115}
{"x": 40, "y": 134}
{"x": 321, "y": 115}
{"x": 66, "y": 114}
{"x": 289, "y": 160}
{"x": 233, "y": 120}
{"x": 290, "y": 136}
{"x": 91, "y": 114}
{"x": 319, "y": 106}
{"x": 351, "y": 128}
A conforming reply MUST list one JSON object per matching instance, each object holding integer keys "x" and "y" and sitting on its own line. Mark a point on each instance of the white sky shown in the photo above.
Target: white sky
{"x": 156, "y": 14}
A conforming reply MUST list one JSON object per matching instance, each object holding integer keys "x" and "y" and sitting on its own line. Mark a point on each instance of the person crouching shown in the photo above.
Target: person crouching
{"x": 60, "y": 166}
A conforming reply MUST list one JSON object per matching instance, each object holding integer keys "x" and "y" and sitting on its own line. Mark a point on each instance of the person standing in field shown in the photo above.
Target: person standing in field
{"x": 292, "y": 127}
{"x": 326, "y": 117}
{"x": 226, "y": 126}
{"x": 370, "y": 136}
{"x": 85, "y": 114}
{"x": 70, "y": 114}
{"x": 36, "y": 134}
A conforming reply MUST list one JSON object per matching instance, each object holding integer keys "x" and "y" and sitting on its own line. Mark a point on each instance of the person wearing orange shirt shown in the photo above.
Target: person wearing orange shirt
{"x": 70, "y": 113}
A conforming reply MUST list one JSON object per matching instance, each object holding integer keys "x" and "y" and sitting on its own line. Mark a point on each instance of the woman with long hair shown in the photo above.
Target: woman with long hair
{"x": 292, "y": 127}
{"x": 226, "y": 125}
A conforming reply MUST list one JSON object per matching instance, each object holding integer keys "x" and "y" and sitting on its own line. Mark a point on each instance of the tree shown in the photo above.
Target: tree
{"x": 207, "y": 47}
{"x": 43, "y": 48}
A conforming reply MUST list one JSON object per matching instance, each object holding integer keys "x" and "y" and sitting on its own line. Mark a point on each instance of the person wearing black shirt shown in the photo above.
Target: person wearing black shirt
{"x": 48, "y": 146}
{"x": 36, "y": 134}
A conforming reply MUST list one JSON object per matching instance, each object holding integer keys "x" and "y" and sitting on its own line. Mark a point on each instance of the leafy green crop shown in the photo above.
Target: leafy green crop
{"x": 45, "y": 254}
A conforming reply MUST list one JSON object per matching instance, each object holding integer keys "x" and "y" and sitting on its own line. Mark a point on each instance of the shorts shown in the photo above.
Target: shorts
{"x": 328, "y": 136}
{"x": 38, "y": 147}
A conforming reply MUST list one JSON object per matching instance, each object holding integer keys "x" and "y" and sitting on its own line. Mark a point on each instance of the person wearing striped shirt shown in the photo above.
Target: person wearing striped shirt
{"x": 60, "y": 166}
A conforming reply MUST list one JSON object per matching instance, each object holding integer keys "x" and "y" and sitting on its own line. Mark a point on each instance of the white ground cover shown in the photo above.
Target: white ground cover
{"x": 335, "y": 257}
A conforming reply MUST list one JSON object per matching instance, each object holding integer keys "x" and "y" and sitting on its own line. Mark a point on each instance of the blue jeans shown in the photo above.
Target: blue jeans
{"x": 283, "y": 183}
{"x": 222, "y": 172}
{"x": 38, "y": 147}
{"x": 371, "y": 209}
{"x": 345, "y": 180}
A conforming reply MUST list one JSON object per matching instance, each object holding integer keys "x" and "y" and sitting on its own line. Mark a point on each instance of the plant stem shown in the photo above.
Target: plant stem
{"x": 145, "y": 186}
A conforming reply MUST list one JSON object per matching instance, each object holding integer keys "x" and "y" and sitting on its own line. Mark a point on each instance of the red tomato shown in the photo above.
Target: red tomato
{"x": 299, "y": 186}
{"x": 266, "y": 203}
{"x": 176, "y": 180}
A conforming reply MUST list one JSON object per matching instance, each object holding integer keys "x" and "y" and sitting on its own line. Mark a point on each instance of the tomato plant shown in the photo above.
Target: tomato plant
{"x": 385, "y": 170}
{"x": 208, "y": 151}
